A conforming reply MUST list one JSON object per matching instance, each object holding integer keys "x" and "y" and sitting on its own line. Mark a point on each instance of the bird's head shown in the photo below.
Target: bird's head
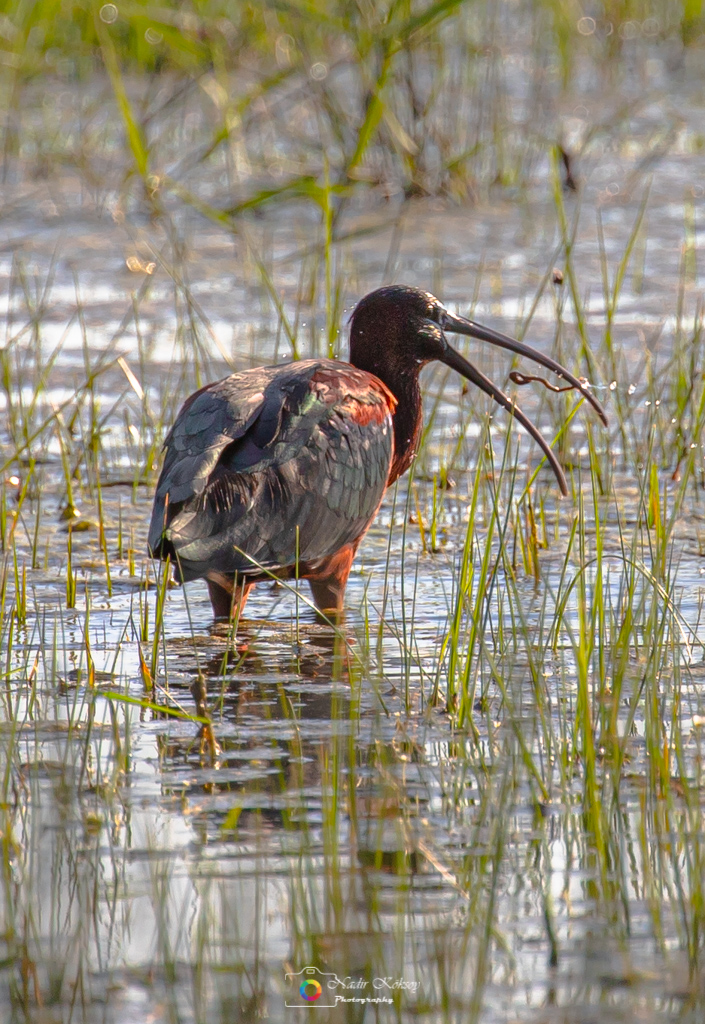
{"x": 396, "y": 330}
{"x": 400, "y": 326}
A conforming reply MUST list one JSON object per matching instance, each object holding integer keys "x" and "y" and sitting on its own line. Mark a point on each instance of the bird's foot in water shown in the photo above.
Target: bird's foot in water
{"x": 228, "y": 597}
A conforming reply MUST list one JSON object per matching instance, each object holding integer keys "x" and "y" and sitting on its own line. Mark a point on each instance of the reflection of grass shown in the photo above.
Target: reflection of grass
{"x": 505, "y": 754}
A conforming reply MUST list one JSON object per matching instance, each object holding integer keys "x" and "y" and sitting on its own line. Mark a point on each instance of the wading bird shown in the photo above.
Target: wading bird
{"x": 279, "y": 471}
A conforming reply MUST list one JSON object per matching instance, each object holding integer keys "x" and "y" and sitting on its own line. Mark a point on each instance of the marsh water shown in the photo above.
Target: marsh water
{"x": 481, "y": 797}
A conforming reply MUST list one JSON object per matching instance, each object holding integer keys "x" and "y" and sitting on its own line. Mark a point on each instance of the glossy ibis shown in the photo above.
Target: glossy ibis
{"x": 281, "y": 470}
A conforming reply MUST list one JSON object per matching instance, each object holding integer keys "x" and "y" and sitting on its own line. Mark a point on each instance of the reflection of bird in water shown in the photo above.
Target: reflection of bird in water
{"x": 280, "y": 470}
{"x": 256, "y": 676}
{"x": 290, "y": 711}
{"x": 263, "y": 687}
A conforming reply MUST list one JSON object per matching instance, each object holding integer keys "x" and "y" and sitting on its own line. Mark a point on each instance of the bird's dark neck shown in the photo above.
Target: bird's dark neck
{"x": 407, "y": 418}
{"x": 408, "y": 421}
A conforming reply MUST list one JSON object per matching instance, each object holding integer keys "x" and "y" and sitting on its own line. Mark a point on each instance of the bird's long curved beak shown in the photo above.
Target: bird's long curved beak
{"x": 459, "y": 325}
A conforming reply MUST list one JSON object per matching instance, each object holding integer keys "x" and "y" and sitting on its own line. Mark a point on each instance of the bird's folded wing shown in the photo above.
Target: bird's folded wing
{"x": 271, "y": 467}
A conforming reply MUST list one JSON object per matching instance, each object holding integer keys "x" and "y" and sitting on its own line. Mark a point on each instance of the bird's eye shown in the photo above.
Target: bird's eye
{"x": 438, "y": 315}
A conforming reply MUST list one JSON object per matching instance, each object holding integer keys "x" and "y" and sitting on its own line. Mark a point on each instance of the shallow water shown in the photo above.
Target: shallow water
{"x": 444, "y": 854}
